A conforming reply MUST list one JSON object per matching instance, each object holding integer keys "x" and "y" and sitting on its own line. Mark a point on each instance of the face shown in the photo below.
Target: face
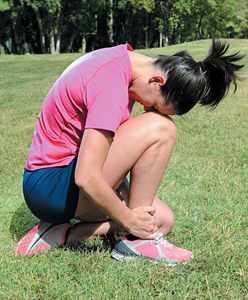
{"x": 158, "y": 104}
{"x": 150, "y": 97}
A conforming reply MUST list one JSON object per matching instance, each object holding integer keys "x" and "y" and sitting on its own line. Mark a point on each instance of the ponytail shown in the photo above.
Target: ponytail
{"x": 219, "y": 71}
{"x": 207, "y": 82}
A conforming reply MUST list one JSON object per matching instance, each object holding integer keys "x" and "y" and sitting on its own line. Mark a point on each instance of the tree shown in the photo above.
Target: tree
{"x": 4, "y": 24}
{"x": 133, "y": 23}
{"x": 172, "y": 17}
{"x": 45, "y": 17}
{"x": 147, "y": 6}
{"x": 15, "y": 27}
{"x": 84, "y": 20}
{"x": 211, "y": 16}
{"x": 238, "y": 24}
{"x": 52, "y": 26}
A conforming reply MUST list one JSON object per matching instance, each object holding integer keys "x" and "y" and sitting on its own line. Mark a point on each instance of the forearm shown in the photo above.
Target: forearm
{"x": 104, "y": 198}
{"x": 93, "y": 152}
{"x": 140, "y": 221}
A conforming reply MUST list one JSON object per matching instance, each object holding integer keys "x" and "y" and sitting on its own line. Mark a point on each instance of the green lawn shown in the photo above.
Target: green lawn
{"x": 205, "y": 185}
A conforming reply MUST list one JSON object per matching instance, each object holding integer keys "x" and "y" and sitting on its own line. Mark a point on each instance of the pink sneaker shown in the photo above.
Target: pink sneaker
{"x": 44, "y": 236}
{"x": 157, "y": 250}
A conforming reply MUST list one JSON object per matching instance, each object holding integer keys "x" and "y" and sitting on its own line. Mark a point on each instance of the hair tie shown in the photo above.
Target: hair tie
{"x": 202, "y": 66}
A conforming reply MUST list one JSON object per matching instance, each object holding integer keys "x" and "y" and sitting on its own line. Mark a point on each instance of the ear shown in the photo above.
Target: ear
{"x": 158, "y": 79}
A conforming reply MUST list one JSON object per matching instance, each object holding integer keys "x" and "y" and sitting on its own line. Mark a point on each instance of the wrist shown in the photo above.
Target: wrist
{"x": 129, "y": 221}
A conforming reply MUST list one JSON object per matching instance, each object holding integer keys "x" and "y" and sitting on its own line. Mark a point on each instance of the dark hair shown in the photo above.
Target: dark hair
{"x": 206, "y": 82}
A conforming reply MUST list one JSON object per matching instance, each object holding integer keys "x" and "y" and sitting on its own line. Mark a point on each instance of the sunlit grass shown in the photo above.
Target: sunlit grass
{"x": 205, "y": 185}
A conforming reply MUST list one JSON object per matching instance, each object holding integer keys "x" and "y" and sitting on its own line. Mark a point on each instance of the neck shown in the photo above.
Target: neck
{"x": 140, "y": 64}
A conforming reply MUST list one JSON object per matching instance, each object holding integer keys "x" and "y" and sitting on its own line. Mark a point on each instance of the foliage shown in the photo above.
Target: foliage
{"x": 4, "y": 5}
{"x": 238, "y": 25}
{"x": 67, "y": 26}
{"x": 49, "y": 26}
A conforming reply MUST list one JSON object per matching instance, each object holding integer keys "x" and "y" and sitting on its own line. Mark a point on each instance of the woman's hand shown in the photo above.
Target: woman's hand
{"x": 143, "y": 224}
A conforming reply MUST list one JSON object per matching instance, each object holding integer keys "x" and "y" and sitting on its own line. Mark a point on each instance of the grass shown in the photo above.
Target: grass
{"x": 205, "y": 185}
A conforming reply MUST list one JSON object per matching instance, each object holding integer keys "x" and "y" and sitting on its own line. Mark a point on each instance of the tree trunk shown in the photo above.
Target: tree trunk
{"x": 13, "y": 38}
{"x": 93, "y": 44}
{"x": 40, "y": 32}
{"x": 199, "y": 28}
{"x": 147, "y": 30}
{"x": 14, "y": 34}
{"x": 83, "y": 44}
{"x": 163, "y": 40}
{"x": 166, "y": 41}
{"x": 57, "y": 36}
{"x": 52, "y": 45}
{"x": 68, "y": 49}
{"x": 111, "y": 23}
{"x": 58, "y": 44}
{"x": 5, "y": 47}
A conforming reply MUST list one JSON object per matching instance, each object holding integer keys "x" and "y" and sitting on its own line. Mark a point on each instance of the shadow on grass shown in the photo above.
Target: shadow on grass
{"x": 97, "y": 245}
{"x": 22, "y": 221}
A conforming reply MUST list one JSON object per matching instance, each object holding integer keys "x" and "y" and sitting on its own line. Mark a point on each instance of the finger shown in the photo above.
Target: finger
{"x": 151, "y": 236}
{"x": 155, "y": 229}
{"x": 150, "y": 209}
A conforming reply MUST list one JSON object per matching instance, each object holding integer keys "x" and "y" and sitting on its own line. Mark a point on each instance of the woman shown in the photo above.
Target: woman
{"x": 84, "y": 145}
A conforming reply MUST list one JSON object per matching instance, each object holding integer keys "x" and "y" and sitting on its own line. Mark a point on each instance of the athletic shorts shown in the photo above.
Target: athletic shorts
{"x": 51, "y": 193}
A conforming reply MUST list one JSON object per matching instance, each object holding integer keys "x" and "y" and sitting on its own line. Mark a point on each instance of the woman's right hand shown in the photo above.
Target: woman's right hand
{"x": 143, "y": 223}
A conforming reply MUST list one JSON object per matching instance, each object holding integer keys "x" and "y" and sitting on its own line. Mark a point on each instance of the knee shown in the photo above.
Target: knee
{"x": 163, "y": 127}
{"x": 167, "y": 129}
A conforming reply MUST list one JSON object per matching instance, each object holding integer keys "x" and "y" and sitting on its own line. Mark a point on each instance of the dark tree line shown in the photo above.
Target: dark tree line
{"x": 55, "y": 26}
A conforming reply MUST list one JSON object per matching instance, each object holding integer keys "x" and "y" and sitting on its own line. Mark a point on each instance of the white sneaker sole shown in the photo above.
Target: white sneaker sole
{"x": 125, "y": 258}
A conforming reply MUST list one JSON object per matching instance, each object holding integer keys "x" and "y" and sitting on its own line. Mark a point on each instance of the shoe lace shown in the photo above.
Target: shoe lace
{"x": 160, "y": 240}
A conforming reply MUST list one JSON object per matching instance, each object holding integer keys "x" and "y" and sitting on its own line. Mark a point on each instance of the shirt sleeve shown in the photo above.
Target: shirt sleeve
{"x": 107, "y": 100}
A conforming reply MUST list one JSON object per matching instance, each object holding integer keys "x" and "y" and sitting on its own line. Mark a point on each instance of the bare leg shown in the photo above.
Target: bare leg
{"x": 143, "y": 145}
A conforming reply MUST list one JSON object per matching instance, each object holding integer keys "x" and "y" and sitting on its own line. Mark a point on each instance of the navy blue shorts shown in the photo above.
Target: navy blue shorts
{"x": 51, "y": 193}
